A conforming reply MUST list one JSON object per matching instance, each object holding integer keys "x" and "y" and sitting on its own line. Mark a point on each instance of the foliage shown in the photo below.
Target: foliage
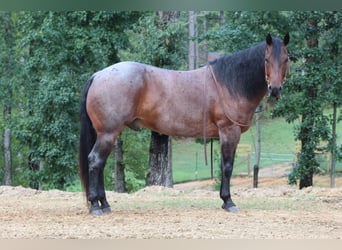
{"x": 243, "y": 29}
{"x": 312, "y": 85}
{"x": 10, "y": 74}
{"x": 60, "y": 51}
{"x": 158, "y": 44}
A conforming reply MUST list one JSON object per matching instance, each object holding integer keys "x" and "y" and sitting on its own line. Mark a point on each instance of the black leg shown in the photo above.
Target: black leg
{"x": 93, "y": 184}
{"x": 225, "y": 194}
{"x": 102, "y": 194}
{"x": 229, "y": 138}
{"x": 97, "y": 161}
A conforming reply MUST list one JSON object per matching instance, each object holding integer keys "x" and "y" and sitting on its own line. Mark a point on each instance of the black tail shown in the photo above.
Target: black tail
{"x": 87, "y": 139}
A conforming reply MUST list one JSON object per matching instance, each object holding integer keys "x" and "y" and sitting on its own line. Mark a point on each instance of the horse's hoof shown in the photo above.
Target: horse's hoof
{"x": 231, "y": 209}
{"x": 106, "y": 210}
{"x": 96, "y": 212}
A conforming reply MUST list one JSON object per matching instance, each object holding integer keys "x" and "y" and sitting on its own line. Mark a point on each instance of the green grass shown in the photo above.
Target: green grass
{"x": 188, "y": 160}
{"x": 277, "y": 138}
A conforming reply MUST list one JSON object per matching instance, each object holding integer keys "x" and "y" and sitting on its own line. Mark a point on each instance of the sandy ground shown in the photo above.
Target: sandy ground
{"x": 192, "y": 210}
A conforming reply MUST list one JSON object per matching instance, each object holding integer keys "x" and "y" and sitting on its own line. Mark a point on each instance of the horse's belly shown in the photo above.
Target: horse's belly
{"x": 176, "y": 126}
{"x": 167, "y": 127}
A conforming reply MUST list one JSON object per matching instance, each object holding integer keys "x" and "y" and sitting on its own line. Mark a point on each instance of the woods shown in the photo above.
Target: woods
{"x": 46, "y": 58}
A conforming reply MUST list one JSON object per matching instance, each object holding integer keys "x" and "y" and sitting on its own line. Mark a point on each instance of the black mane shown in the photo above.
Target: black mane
{"x": 243, "y": 72}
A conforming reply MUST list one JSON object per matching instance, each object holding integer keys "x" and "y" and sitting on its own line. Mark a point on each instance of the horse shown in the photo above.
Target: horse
{"x": 217, "y": 100}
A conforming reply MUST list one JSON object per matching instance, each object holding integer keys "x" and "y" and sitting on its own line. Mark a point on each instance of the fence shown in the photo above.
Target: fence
{"x": 191, "y": 165}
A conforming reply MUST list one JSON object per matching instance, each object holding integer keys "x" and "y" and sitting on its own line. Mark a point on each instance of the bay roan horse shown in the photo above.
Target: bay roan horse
{"x": 215, "y": 101}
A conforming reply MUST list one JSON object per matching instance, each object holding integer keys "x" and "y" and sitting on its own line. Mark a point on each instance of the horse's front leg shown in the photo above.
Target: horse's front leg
{"x": 229, "y": 138}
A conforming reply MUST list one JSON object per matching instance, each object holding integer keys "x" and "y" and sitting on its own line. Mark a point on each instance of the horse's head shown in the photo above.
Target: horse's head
{"x": 276, "y": 64}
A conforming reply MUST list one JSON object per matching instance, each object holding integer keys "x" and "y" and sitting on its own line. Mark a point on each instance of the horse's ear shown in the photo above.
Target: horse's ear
{"x": 286, "y": 39}
{"x": 269, "y": 39}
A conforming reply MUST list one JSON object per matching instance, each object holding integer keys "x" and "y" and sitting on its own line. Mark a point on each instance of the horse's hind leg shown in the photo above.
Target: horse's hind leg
{"x": 102, "y": 194}
{"x": 97, "y": 160}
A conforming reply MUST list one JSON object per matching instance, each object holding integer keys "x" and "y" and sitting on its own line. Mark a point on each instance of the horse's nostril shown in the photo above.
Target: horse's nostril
{"x": 269, "y": 87}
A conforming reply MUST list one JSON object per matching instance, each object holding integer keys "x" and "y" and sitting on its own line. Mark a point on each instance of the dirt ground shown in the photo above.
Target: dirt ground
{"x": 192, "y": 210}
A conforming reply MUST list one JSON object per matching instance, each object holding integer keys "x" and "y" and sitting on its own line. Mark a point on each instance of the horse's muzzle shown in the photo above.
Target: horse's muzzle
{"x": 274, "y": 91}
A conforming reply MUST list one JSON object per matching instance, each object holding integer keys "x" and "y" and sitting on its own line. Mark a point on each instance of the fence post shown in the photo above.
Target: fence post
{"x": 255, "y": 176}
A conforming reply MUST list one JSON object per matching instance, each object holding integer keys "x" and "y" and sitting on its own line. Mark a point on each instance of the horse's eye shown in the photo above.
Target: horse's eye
{"x": 266, "y": 60}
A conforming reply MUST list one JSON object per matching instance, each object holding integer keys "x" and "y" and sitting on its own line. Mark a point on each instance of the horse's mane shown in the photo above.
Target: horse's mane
{"x": 243, "y": 72}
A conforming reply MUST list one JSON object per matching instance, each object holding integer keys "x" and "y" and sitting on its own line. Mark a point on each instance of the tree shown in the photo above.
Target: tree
{"x": 8, "y": 71}
{"x": 160, "y": 172}
{"x": 307, "y": 160}
{"x": 258, "y": 146}
{"x": 241, "y": 29}
{"x": 119, "y": 167}
{"x": 192, "y": 42}
{"x": 305, "y": 93}
{"x": 62, "y": 49}
{"x": 332, "y": 43}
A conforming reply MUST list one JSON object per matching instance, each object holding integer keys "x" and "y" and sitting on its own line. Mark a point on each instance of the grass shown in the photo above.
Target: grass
{"x": 277, "y": 138}
{"x": 188, "y": 160}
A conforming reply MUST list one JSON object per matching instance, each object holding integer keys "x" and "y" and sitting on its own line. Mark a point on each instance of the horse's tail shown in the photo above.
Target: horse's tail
{"x": 87, "y": 139}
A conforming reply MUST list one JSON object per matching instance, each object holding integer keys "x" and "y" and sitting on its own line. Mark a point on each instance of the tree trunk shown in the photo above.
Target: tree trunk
{"x": 221, "y": 19}
{"x": 192, "y": 43}
{"x": 168, "y": 174}
{"x": 33, "y": 181}
{"x": 205, "y": 42}
{"x": 7, "y": 110}
{"x": 306, "y": 179}
{"x": 160, "y": 169}
{"x": 119, "y": 167}
{"x": 168, "y": 16}
{"x": 333, "y": 149}
{"x": 258, "y": 147}
{"x": 41, "y": 167}
{"x": 7, "y": 158}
